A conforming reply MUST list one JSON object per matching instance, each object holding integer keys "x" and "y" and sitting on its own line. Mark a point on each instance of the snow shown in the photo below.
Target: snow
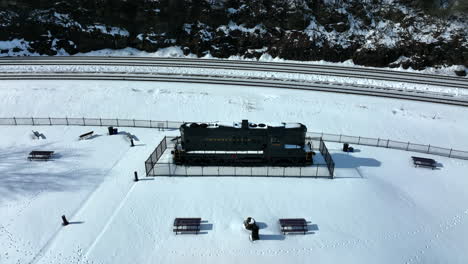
{"x": 400, "y": 120}
{"x": 283, "y": 77}
{"x": 232, "y": 11}
{"x": 233, "y": 26}
{"x": 292, "y": 125}
{"x": 109, "y": 30}
{"x": 379, "y": 209}
{"x": 16, "y": 43}
{"x": 176, "y": 51}
{"x": 35, "y": 194}
{"x": 289, "y": 146}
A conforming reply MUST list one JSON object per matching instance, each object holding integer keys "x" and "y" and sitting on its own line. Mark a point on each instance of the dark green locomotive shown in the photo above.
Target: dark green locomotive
{"x": 242, "y": 144}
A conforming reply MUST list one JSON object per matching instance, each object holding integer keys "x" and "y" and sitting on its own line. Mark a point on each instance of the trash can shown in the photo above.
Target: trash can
{"x": 345, "y": 147}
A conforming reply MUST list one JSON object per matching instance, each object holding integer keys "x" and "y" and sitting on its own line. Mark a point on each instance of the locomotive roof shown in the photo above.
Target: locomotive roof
{"x": 251, "y": 125}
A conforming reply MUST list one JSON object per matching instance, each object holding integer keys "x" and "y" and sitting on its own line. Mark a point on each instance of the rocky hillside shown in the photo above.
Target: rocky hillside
{"x": 371, "y": 32}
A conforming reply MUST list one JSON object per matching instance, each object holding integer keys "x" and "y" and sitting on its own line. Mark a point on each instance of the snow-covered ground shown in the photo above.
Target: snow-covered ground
{"x": 281, "y": 77}
{"x": 322, "y": 112}
{"x": 35, "y": 194}
{"x": 379, "y": 209}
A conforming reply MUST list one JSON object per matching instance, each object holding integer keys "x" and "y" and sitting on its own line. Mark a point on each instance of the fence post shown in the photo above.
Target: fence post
{"x": 117, "y": 121}
{"x": 202, "y": 171}
{"x": 407, "y": 146}
{"x": 359, "y": 140}
{"x": 84, "y": 122}
{"x": 428, "y": 148}
{"x": 284, "y": 168}
{"x": 66, "y": 118}
{"x": 378, "y": 141}
{"x": 14, "y": 119}
{"x": 151, "y": 124}
{"x": 167, "y": 124}
{"x": 100, "y": 122}
{"x": 32, "y": 119}
{"x": 450, "y": 153}
{"x": 134, "y": 123}
{"x": 186, "y": 171}
{"x": 339, "y": 139}
{"x": 50, "y": 121}
{"x": 388, "y": 141}
{"x": 235, "y": 174}
{"x": 300, "y": 171}
{"x": 316, "y": 171}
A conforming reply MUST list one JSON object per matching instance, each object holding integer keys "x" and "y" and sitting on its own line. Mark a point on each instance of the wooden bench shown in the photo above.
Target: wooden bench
{"x": 187, "y": 225}
{"x": 86, "y": 135}
{"x": 40, "y": 155}
{"x": 424, "y": 162}
{"x": 293, "y": 225}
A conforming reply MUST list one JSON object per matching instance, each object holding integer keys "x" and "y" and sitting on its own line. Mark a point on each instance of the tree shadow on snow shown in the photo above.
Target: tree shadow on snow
{"x": 22, "y": 177}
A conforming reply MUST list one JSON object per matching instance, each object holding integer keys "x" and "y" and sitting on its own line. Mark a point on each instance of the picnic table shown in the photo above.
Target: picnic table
{"x": 293, "y": 225}
{"x": 40, "y": 155}
{"x": 424, "y": 162}
{"x": 187, "y": 225}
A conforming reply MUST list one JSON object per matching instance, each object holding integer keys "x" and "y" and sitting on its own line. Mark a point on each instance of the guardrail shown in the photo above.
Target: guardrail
{"x": 374, "y": 142}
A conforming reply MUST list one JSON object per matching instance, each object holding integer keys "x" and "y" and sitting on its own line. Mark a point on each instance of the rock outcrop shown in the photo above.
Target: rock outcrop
{"x": 373, "y": 33}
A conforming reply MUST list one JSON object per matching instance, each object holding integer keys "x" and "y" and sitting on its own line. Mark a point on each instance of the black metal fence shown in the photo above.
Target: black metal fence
{"x": 155, "y": 165}
{"x": 328, "y": 158}
{"x": 170, "y": 169}
{"x": 375, "y": 142}
{"x": 153, "y": 159}
{"x": 66, "y": 121}
{"x": 393, "y": 144}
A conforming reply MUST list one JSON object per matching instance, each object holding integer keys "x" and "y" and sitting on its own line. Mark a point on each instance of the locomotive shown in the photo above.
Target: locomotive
{"x": 242, "y": 144}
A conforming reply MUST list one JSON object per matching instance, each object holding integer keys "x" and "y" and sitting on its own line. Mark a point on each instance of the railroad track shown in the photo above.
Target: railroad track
{"x": 295, "y": 68}
{"x": 413, "y": 95}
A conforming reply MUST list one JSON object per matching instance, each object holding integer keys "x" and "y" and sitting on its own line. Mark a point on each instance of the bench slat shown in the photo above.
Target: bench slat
{"x": 179, "y": 221}
{"x": 187, "y": 224}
